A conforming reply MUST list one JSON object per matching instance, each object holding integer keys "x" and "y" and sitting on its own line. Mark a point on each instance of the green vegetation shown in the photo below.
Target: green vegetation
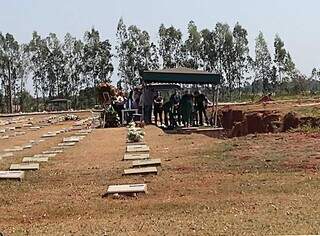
{"x": 68, "y": 68}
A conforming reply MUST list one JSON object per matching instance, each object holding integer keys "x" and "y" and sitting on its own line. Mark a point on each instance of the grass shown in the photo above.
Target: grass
{"x": 308, "y": 111}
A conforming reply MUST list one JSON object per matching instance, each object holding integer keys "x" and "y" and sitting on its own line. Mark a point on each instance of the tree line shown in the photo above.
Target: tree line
{"x": 71, "y": 68}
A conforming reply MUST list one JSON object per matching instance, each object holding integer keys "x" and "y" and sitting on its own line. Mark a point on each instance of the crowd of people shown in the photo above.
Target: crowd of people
{"x": 181, "y": 110}
{"x": 187, "y": 109}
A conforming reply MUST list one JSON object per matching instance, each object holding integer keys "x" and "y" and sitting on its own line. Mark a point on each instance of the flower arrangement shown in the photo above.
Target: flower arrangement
{"x": 134, "y": 134}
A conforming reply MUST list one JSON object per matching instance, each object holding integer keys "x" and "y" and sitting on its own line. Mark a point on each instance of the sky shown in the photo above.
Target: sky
{"x": 296, "y": 21}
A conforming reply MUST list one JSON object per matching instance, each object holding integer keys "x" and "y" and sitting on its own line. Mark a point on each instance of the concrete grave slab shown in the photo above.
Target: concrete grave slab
{"x": 19, "y": 175}
{"x": 141, "y": 171}
{"x": 52, "y": 152}
{"x": 2, "y": 131}
{"x": 81, "y": 134}
{"x": 127, "y": 188}
{"x": 60, "y": 147}
{"x": 71, "y": 139}
{"x": 67, "y": 144}
{"x": 27, "y": 125}
{"x": 132, "y": 157}
{"x": 25, "y": 166}
{"x": 138, "y": 148}
{"x": 4, "y": 137}
{"x": 45, "y": 155}
{"x": 11, "y": 128}
{"x": 14, "y": 149}
{"x": 49, "y": 135}
{"x": 27, "y": 146}
{"x": 150, "y": 162}
{"x": 20, "y": 133}
{"x": 35, "y": 159}
{"x": 34, "y": 128}
{"x": 5, "y": 155}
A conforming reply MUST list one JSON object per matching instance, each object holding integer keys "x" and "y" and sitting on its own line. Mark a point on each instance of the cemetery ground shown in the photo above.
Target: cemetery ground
{"x": 257, "y": 184}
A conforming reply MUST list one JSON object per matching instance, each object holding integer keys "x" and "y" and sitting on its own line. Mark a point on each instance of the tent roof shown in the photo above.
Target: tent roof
{"x": 181, "y": 75}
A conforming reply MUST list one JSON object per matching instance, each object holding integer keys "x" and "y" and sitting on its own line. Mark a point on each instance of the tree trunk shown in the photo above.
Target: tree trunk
{"x": 9, "y": 88}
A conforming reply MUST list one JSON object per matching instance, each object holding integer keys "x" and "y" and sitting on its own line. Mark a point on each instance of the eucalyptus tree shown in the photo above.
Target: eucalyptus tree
{"x": 97, "y": 59}
{"x": 135, "y": 53}
{"x": 192, "y": 47}
{"x": 279, "y": 56}
{"x": 73, "y": 57}
{"x": 263, "y": 62}
{"x": 38, "y": 53}
{"x": 208, "y": 52}
{"x": 241, "y": 54}
{"x": 224, "y": 46}
{"x": 55, "y": 74}
{"x": 170, "y": 46}
{"x": 9, "y": 59}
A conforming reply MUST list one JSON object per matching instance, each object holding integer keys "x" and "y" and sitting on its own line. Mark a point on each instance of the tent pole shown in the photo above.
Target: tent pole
{"x": 216, "y": 109}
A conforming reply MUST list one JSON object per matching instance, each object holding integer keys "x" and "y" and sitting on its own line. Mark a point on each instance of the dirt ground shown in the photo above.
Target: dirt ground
{"x": 254, "y": 185}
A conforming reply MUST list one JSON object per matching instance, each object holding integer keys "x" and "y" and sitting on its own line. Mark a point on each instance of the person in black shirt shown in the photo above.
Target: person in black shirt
{"x": 201, "y": 102}
{"x": 175, "y": 99}
{"x": 158, "y": 107}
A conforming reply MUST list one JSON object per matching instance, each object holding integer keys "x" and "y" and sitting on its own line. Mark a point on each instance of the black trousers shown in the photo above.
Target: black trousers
{"x": 202, "y": 111}
{"x": 157, "y": 111}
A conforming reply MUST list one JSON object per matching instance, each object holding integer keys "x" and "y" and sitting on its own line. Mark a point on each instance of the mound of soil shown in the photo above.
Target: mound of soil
{"x": 256, "y": 122}
{"x": 290, "y": 121}
{"x": 230, "y": 117}
{"x": 266, "y": 98}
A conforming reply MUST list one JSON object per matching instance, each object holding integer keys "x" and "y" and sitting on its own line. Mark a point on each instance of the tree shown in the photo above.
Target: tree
{"x": 224, "y": 44}
{"x": 208, "y": 53}
{"x": 54, "y": 67}
{"x": 73, "y": 57}
{"x": 192, "y": 47}
{"x": 9, "y": 62}
{"x": 37, "y": 54}
{"x": 97, "y": 59}
{"x": 135, "y": 54}
{"x": 263, "y": 62}
{"x": 241, "y": 54}
{"x": 170, "y": 46}
{"x": 279, "y": 56}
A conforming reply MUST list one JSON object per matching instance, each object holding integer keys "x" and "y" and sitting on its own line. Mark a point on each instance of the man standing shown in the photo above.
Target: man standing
{"x": 158, "y": 108}
{"x": 201, "y": 102}
{"x": 175, "y": 101}
{"x": 147, "y": 104}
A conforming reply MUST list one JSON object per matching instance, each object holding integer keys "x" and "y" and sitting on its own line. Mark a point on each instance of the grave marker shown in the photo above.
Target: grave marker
{"x": 67, "y": 144}
{"x": 150, "y": 162}
{"x": 48, "y": 135}
{"x": 5, "y": 155}
{"x": 141, "y": 171}
{"x": 35, "y": 159}
{"x": 127, "y": 188}
{"x": 12, "y": 175}
{"x": 44, "y": 155}
{"x": 25, "y": 166}
{"x": 138, "y": 148}
{"x": 131, "y": 157}
{"x": 52, "y": 152}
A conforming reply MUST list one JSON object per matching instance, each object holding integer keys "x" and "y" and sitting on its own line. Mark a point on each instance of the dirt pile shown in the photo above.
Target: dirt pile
{"x": 290, "y": 121}
{"x": 256, "y": 122}
{"x": 237, "y": 123}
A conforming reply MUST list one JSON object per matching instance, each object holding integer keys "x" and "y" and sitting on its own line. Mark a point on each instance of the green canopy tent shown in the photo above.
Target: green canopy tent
{"x": 186, "y": 76}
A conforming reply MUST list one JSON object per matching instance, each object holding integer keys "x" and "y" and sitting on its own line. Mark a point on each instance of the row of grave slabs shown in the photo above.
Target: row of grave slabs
{"x": 32, "y": 163}
{"x": 138, "y": 153}
{"x": 20, "y": 129}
